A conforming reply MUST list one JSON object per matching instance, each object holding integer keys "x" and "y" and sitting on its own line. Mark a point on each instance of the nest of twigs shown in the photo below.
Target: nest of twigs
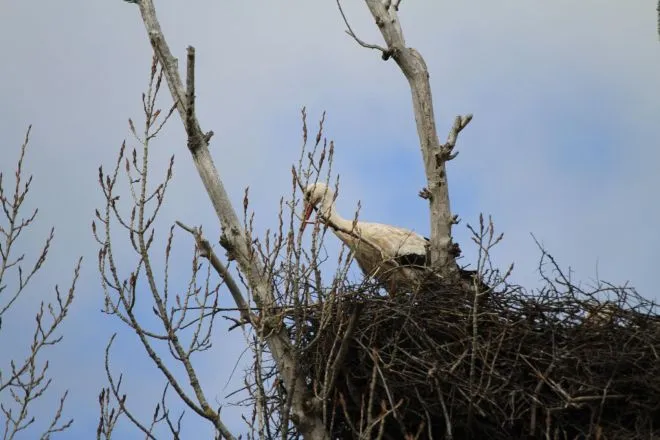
{"x": 546, "y": 364}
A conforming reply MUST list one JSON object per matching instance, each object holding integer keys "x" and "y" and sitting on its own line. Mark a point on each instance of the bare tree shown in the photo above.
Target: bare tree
{"x": 24, "y": 381}
{"x": 331, "y": 357}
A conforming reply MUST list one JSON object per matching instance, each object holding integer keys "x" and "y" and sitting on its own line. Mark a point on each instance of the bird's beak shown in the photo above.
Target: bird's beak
{"x": 307, "y": 213}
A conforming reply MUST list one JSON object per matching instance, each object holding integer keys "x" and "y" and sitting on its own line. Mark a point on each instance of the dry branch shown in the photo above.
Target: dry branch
{"x": 206, "y": 251}
{"x": 24, "y": 381}
{"x": 309, "y": 424}
{"x": 435, "y": 156}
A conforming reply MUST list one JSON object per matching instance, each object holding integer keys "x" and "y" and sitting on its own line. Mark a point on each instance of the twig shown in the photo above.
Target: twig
{"x": 341, "y": 353}
{"x": 386, "y": 52}
{"x": 207, "y": 252}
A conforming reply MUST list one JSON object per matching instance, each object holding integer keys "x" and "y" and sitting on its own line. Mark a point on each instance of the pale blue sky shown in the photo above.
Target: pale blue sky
{"x": 564, "y": 144}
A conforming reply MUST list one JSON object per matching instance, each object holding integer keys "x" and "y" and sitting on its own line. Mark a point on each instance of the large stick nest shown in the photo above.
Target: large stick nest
{"x": 546, "y": 364}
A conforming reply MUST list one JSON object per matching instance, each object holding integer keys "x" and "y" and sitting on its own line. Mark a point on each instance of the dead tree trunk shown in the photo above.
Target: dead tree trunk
{"x": 435, "y": 155}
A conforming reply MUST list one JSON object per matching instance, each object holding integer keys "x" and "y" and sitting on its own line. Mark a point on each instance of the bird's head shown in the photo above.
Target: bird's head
{"x": 320, "y": 196}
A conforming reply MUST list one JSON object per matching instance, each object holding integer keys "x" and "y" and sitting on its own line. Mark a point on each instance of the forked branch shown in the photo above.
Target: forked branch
{"x": 25, "y": 381}
{"x": 303, "y": 415}
{"x": 207, "y": 252}
{"x": 442, "y": 251}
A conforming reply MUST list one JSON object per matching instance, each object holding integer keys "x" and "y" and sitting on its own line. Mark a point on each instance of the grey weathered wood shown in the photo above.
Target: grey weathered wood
{"x": 304, "y": 416}
{"x": 442, "y": 250}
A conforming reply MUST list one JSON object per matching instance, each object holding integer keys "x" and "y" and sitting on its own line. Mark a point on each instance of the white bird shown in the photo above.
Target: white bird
{"x": 388, "y": 253}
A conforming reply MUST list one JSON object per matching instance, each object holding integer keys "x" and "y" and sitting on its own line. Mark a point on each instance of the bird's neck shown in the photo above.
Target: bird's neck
{"x": 330, "y": 215}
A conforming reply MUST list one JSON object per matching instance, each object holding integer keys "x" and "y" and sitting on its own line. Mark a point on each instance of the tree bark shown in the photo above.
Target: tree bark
{"x": 304, "y": 415}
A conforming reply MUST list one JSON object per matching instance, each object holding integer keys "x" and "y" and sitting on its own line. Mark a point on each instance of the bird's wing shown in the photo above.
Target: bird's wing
{"x": 395, "y": 242}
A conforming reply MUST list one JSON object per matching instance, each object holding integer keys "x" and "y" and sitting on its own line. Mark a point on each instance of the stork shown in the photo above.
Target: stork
{"x": 388, "y": 253}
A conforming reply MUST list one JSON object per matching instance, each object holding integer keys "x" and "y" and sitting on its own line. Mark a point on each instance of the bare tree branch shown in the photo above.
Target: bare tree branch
{"x": 442, "y": 250}
{"x": 147, "y": 203}
{"x": 303, "y": 415}
{"x": 207, "y": 252}
{"x": 27, "y": 380}
{"x": 350, "y": 32}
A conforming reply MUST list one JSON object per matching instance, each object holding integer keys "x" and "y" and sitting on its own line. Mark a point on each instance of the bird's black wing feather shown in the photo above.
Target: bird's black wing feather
{"x": 411, "y": 260}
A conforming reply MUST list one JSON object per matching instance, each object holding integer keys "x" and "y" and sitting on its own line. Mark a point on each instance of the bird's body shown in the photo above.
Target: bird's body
{"x": 386, "y": 252}
{"x": 393, "y": 255}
